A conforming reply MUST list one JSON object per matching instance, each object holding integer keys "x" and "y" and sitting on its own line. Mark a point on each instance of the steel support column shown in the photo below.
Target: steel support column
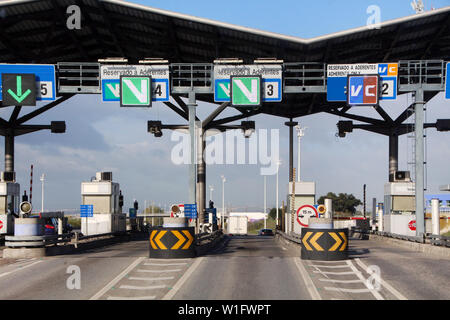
{"x": 201, "y": 175}
{"x": 291, "y": 124}
{"x": 393, "y": 156}
{"x": 9, "y": 150}
{"x": 192, "y": 164}
{"x": 419, "y": 140}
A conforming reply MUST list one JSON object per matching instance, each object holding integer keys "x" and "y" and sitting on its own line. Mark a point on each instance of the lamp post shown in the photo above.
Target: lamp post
{"x": 42, "y": 198}
{"x": 300, "y": 134}
{"x": 211, "y": 189}
{"x": 223, "y": 194}
{"x": 276, "y": 205}
{"x": 265, "y": 207}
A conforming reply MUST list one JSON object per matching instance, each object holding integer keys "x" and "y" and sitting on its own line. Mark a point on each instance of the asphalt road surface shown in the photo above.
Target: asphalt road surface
{"x": 246, "y": 267}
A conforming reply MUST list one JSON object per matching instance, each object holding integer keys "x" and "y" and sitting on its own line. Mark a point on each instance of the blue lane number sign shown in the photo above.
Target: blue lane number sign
{"x": 44, "y": 78}
{"x": 447, "y": 82}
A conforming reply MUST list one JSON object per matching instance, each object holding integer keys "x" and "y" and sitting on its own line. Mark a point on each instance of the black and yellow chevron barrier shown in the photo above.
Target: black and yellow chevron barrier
{"x": 172, "y": 243}
{"x": 324, "y": 244}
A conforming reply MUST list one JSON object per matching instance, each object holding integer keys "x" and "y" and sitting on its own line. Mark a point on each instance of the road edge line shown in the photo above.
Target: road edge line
{"x": 313, "y": 292}
{"x": 182, "y": 280}
{"x": 117, "y": 279}
{"x": 390, "y": 288}
{"x": 19, "y": 269}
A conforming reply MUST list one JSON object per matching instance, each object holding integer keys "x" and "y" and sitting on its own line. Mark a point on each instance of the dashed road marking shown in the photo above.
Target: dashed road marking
{"x": 337, "y": 273}
{"x": 151, "y": 279}
{"x": 165, "y": 264}
{"x": 375, "y": 293}
{"x": 117, "y": 279}
{"x": 20, "y": 268}
{"x": 341, "y": 281}
{"x": 183, "y": 279}
{"x": 390, "y": 288}
{"x": 307, "y": 279}
{"x": 347, "y": 290}
{"x": 131, "y": 298}
{"x": 335, "y": 267}
{"x": 158, "y": 271}
{"x": 142, "y": 288}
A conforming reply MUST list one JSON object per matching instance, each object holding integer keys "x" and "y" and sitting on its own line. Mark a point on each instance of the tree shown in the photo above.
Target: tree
{"x": 342, "y": 203}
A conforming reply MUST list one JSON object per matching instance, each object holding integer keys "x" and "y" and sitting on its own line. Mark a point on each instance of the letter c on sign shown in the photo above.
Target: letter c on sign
{"x": 368, "y": 89}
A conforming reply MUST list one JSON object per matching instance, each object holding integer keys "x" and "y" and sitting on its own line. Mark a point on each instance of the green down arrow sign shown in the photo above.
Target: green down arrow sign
{"x": 19, "y": 89}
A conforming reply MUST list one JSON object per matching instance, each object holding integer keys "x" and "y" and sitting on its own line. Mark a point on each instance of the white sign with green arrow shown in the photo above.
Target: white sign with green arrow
{"x": 135, "y": 91}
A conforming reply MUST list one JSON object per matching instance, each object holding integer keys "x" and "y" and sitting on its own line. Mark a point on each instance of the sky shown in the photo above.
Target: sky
{"x": 104, "y": 137}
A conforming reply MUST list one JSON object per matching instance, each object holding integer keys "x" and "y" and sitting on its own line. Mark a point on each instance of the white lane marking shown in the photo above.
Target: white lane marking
{"x": 337, "y": 273}
{"x": 131, "y": 298}
{"x": 375, "y": 293}
{"x": 337, "y": 261}
{"x": 183, "y": 279}
{"x": 168, "y": 260}
{"x": 307, "y": 279}
{"x": 142, "y": 288}
{"x": 151, "y": 279}
{"x": 158, "y": 271}
{"x": 284, "y": 248}
{"x": 22, "y": 262}
{"x": 390, "y": 288}
{"x": 320, "y": 266}
{"x": 341, "y": 281}
{"x": 117, "y": 279}
{"x": 21, "y": 268}
{"x": 165, "y": 264}
{"x": 347, "y": 290}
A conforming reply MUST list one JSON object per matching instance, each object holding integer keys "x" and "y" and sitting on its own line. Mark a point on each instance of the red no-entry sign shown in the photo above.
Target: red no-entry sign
{"x": 412, "y": 225}
{"x": 304, "y": 213}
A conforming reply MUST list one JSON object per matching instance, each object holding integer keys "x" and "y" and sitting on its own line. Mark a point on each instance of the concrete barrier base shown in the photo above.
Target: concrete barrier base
{"x": 23, "y": 253}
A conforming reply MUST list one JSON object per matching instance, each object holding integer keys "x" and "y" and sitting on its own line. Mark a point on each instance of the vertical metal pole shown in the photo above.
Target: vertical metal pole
{"x": 420, "y": 207}
{"x": 298, "y": 155}
{"x": 293, "y": 202}
{"x": 9, "y": 151}
{"x": 277, "y": 204}
{"x": 201, "y": 175}
{"x": 265, "y": 203}
{"x": 192, "y": 166}
{"x": 42, "y": 195}
{"x": 374, "y": 212}
{"x": 435, "y": 218}
{"x": 364, "y": 200}
{"x": 393, "y": 156}
{"x": 329, "y": 208}
{"x": 380, "y": 217}
{"x": 291, "y": 153}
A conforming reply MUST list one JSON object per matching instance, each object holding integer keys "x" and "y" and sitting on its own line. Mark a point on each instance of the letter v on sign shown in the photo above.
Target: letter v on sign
{"x": 246, "y": 91}
{"x": 135, "y": 91}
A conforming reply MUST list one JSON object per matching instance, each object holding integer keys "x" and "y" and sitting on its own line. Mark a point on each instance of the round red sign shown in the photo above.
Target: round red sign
{"x": 1, "y": 224}
{"x": 412, "y": 225}
{"x": 305, "y": 212}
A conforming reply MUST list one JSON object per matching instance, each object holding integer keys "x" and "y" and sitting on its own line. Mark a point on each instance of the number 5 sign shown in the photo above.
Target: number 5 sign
{"x": 304, "y": 213}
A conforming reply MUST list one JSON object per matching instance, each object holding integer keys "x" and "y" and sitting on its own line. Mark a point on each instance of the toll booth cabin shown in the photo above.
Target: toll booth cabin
{"x": 305, "y": 194}
{"x": 9, "y": 201}
{"x": 103, "y": 194}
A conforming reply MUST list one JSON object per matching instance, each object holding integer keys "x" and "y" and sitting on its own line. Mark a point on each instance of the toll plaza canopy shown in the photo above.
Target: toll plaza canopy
{"x": 36, "y": 32}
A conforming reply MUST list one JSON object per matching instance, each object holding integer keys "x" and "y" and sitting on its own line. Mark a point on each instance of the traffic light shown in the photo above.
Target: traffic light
{"x": 58, "y": 126}
{"x": 135, "y": 205}
{"x": 154, "y": 127}
{"x": 344, "y": 127}
{"x": 443, "y": 124}
{"x": 248, "y": 127}
{"x": 120, "y": 199}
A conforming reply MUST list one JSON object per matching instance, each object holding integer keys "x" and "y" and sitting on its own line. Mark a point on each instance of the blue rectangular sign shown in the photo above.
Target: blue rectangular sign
{"x": 447, "y": 82}
{"x": 86, "y": 210}
{"x": 190, "y": 211}
{"x": 45, "y": 78}
{"x": 132, "y": 212}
